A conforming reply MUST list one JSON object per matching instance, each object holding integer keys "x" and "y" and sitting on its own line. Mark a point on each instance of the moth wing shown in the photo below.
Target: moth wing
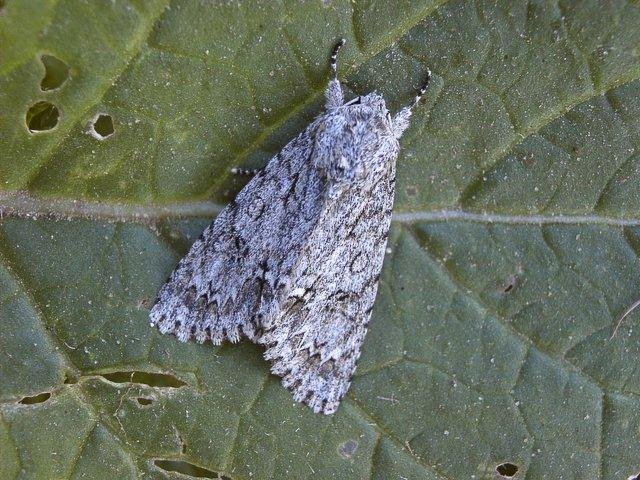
{"x": 228, "y": 281}
{"x": 315, "y": 343}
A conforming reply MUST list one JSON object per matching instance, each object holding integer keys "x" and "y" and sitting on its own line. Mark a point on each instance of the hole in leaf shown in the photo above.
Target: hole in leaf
{"x": 510, "y": 284}
{"x": 144, "y": 401}
{"x": 42, "y": 116}
{"x": 146, "y": 378}
{"x": 507, "y": 469}
{"x": 348, "y": 448}
{"x": 101, "y": 126}
{"x": 40, "y": 398}
{"x": 56, "y": 72}
{"x": 187, "y": 468}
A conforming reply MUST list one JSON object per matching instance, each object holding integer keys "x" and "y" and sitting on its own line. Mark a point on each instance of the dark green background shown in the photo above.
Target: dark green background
{"x": 513, "y": 255}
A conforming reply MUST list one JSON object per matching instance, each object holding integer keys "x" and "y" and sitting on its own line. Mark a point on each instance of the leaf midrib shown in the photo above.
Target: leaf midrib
{"x": 21, "y": 205}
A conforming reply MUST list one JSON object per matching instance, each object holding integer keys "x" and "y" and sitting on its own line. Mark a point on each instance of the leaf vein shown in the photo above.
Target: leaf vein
{"x": 517, "y": 335}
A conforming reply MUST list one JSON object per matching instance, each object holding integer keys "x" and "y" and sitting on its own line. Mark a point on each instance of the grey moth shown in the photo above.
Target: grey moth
{"x": 293, "y": 262}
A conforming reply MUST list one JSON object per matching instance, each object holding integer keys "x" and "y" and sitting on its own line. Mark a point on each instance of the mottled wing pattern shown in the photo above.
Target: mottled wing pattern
{"x": 233, "y": 275}
{"x": 315, "y": 343}
{"x": 293, "y": 263}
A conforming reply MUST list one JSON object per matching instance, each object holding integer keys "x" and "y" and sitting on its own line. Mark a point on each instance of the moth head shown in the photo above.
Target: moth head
{"x": 355, "y": 141}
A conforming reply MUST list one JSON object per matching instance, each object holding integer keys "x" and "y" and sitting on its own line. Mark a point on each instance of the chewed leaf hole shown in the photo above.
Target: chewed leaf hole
{"x": 40, "y": 398}
{"x": 507, "y": 469}
{"x": 144, "y": 401}
{"x": 101, "y": 126}
{"x": 187, "y": 468}
{"x": 56, "y": 72}
{"x": 146, "y": 378}
{"x": 510, "y": 283}
{"x": 42, "y": 116}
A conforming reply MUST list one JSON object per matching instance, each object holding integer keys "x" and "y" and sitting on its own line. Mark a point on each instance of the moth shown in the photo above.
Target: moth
{"x": 293, "y": 262}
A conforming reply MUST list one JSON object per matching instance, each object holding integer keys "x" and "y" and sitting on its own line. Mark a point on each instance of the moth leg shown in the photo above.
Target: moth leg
{"x": 333, "y": 93}
{"x": 401, "y": 119}
{"x": 249, "y": 172}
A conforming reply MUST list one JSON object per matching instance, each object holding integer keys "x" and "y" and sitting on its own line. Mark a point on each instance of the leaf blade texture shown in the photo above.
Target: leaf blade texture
{"x": 513, "y": 253}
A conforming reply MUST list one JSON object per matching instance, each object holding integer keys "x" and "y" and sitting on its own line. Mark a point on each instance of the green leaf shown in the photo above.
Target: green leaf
{"x": 513, "y": 255}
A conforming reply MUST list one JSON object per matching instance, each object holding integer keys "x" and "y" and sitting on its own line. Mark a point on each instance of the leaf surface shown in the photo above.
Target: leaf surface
{"x": 513, "y": 255}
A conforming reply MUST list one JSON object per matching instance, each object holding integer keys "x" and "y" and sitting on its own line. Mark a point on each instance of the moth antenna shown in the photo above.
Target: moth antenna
{"x": 400, "y": 120}
{"x": 333, "y": 93}
{"x": 422, "y": 90}
{"x": 334, "y": 58}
